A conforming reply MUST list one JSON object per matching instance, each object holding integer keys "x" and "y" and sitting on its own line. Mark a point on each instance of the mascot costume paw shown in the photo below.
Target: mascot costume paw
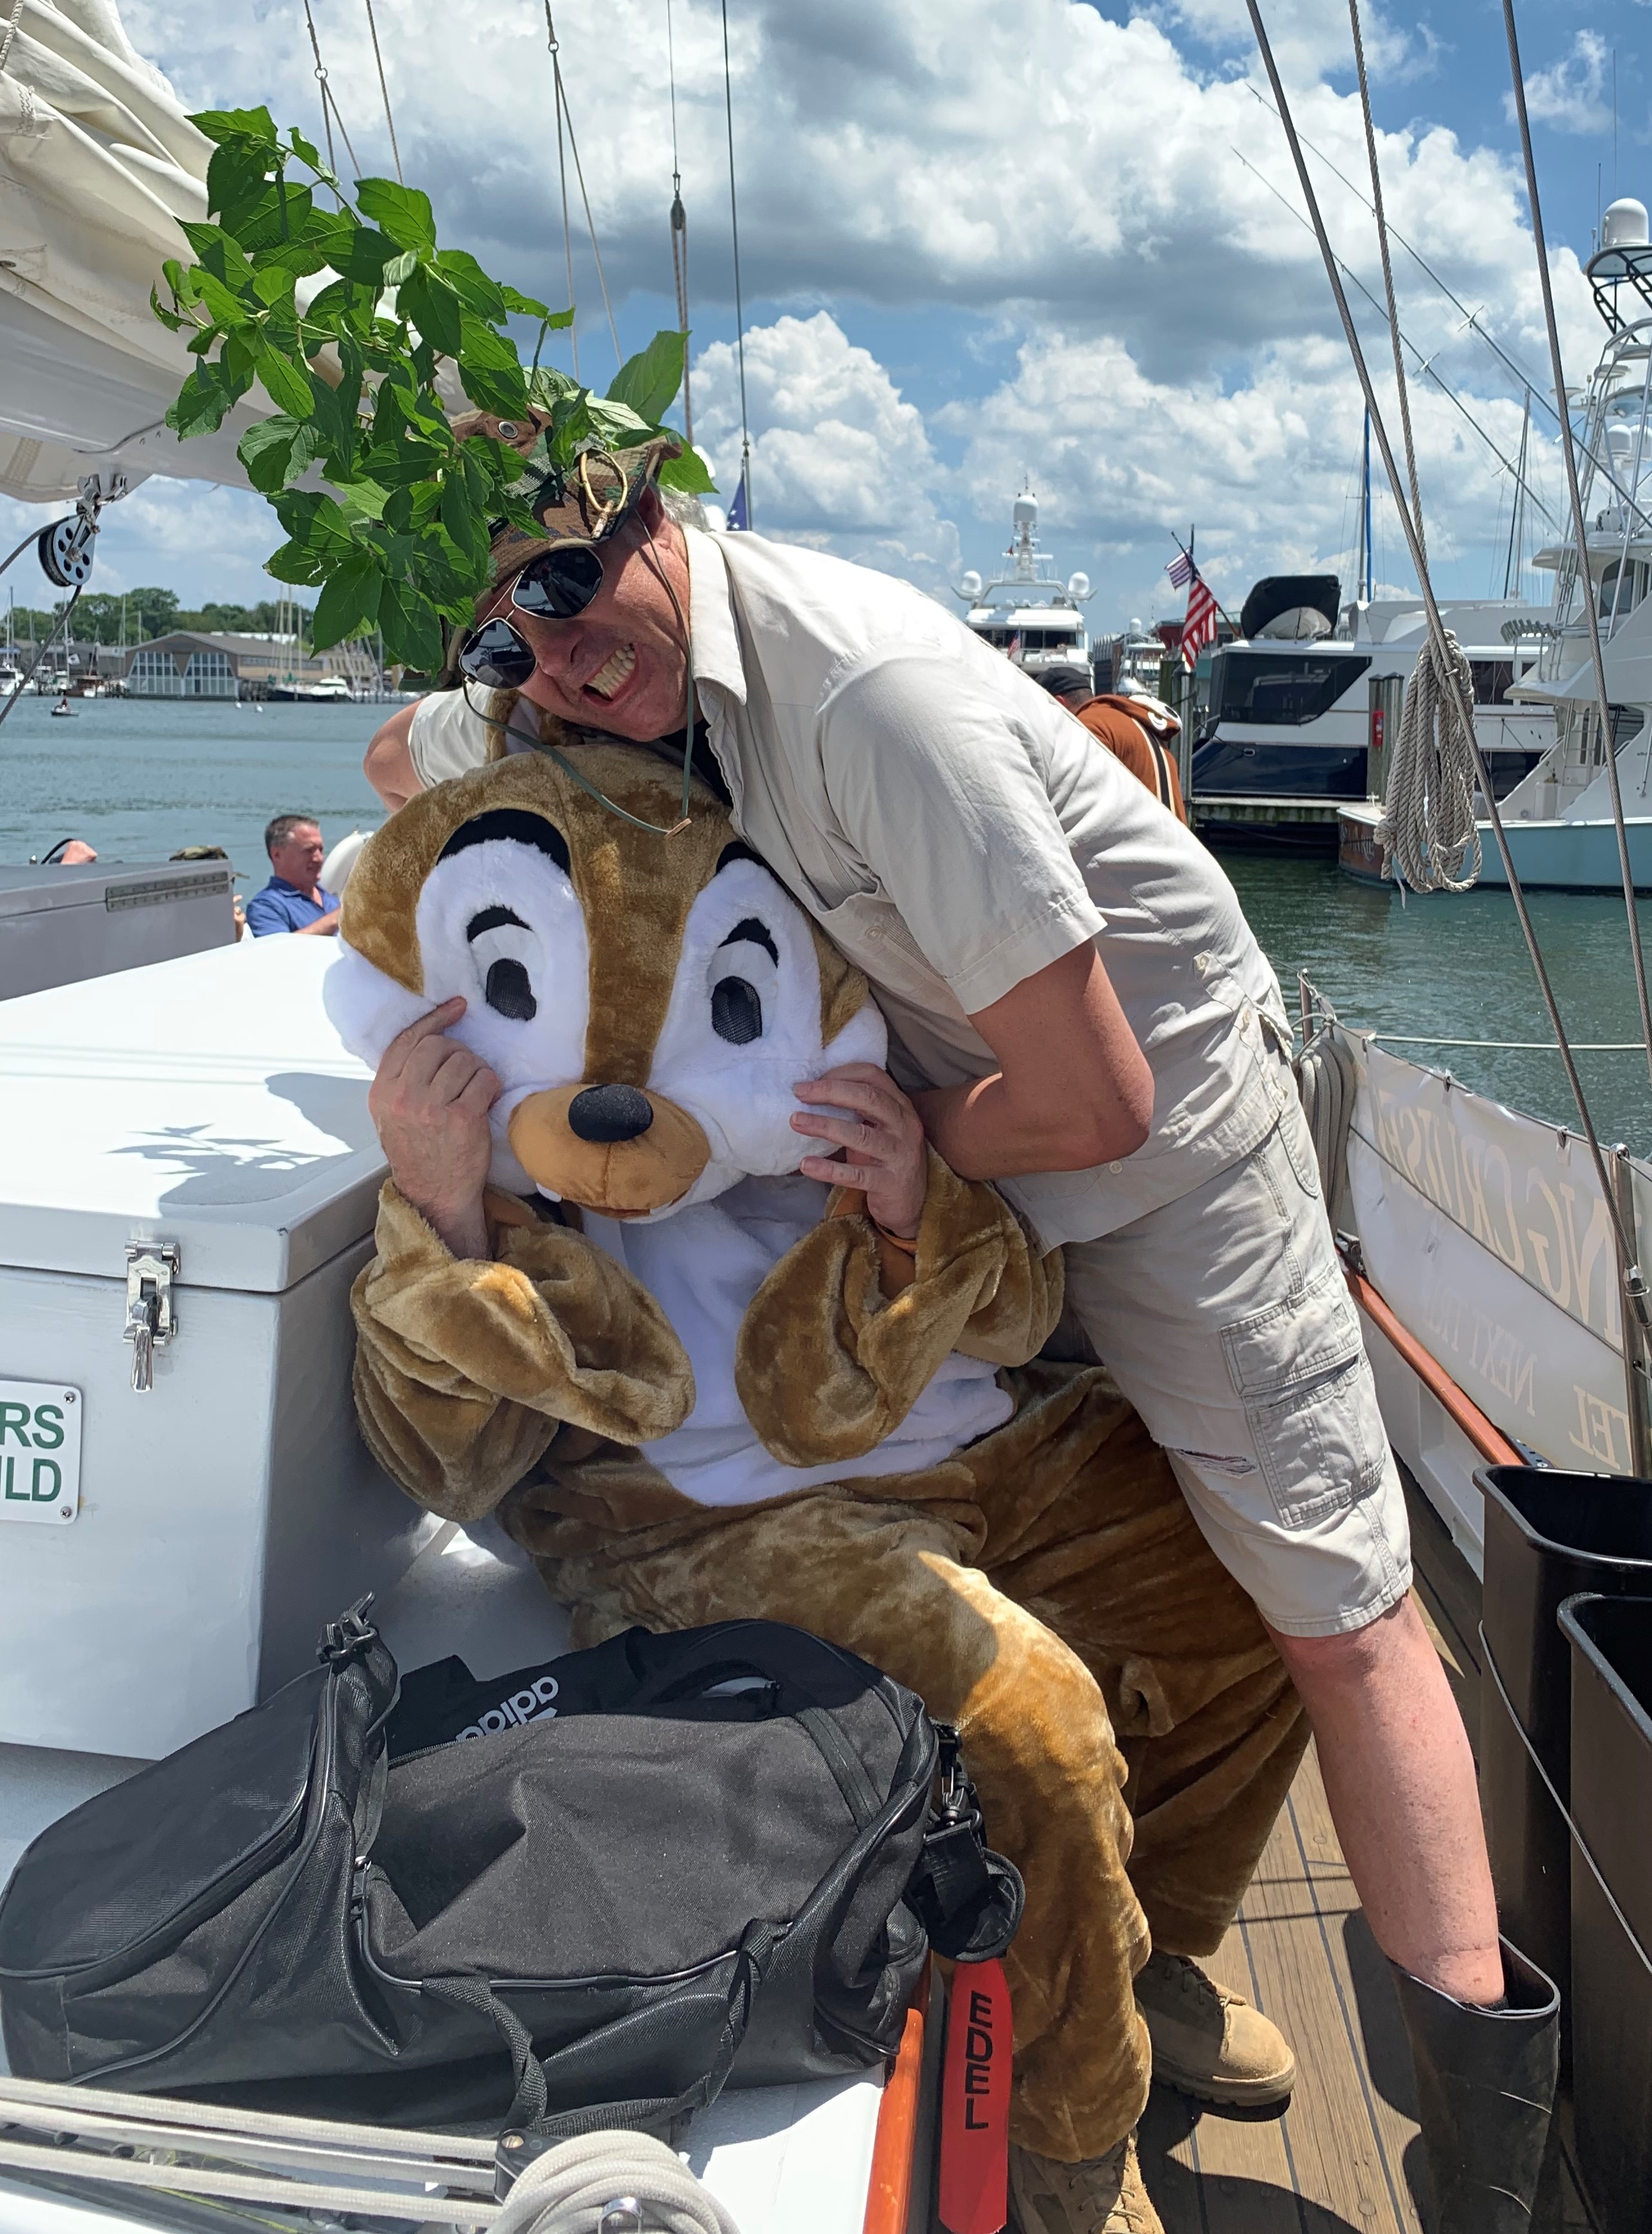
{"x": 697, "y": 1386}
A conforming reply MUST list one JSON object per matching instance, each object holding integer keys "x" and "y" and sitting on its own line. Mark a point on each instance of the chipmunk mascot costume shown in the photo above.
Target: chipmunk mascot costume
{"x": 698, "y": 1385}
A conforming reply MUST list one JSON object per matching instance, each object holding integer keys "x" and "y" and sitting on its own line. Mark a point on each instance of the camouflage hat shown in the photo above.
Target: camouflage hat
{"x": 584, "y": 501}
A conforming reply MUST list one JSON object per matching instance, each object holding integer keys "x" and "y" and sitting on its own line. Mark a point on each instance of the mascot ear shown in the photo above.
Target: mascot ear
{"x": 365, "y": 1008}
{"x": 865, "y": 1038}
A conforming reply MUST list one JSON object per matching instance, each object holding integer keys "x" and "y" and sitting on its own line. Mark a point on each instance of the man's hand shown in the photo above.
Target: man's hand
{"x": 430, "y": 1102}
{"x": 324, "y": 926}
{"x": 881, "y": 1140}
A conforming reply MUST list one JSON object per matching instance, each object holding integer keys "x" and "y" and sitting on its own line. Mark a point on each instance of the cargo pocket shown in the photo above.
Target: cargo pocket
{"x": 1299, "y": 1367}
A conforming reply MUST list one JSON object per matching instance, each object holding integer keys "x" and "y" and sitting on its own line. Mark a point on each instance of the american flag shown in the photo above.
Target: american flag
{"x": 1199, "y": 629}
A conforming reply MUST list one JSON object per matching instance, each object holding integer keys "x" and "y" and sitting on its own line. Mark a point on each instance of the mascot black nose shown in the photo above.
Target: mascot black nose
{"x": 609, "y": 1112}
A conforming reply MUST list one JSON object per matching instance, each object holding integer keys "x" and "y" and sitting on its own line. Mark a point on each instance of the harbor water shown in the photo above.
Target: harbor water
{"x": 139, "y": 780}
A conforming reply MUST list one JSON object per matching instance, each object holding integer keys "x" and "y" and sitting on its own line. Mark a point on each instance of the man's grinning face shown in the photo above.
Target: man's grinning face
{"x": 621, "y": 665}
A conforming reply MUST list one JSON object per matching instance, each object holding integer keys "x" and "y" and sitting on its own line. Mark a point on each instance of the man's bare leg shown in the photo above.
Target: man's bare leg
{"x": 1400, "y": 1781}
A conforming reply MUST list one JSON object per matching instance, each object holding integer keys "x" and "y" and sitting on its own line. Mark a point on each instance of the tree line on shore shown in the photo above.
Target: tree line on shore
{"x": 135, "y": 616}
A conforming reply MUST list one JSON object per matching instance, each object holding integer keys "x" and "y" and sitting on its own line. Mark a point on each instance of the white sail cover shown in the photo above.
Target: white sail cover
{"x": 97, "y": 162}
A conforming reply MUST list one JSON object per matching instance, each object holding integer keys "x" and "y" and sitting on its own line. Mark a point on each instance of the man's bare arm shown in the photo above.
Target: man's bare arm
{"x": 1072, "y": 1088}
{"x": 388, "y": 765}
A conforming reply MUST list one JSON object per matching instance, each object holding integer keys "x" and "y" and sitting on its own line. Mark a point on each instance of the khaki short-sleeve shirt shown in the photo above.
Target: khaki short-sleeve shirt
{"x": 954, "y": 831}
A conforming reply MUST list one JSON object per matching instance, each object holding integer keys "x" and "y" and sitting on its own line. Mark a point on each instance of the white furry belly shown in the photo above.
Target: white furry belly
{"x": 703, "y": 1267}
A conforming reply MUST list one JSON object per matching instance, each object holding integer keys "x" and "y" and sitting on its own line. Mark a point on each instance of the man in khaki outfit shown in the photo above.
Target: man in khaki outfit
{"x": 1084, "y": 1018}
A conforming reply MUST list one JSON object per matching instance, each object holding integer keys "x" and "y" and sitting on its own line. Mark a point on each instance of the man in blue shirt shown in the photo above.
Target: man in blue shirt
{"x": 293, "y": 898}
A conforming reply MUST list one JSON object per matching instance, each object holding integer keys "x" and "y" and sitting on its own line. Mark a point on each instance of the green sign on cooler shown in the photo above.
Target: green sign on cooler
{"x": 40, "y": 1452}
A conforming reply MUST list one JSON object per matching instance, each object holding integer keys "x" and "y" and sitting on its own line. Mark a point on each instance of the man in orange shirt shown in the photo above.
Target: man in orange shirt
{"x": 1110, "y": 721}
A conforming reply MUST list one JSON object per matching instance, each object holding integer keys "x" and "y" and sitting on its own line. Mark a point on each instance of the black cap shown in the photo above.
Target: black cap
{"x": 1062, "y": 682}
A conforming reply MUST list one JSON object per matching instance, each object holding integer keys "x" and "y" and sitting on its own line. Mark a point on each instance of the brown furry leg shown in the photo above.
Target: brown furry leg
{"x": 1096, "y": 1541}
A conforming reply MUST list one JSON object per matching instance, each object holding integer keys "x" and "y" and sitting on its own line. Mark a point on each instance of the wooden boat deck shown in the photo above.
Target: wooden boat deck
{"x": 1346, "y": 2158}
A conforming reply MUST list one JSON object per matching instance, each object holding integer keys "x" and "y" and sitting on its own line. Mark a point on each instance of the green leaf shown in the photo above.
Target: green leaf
{"x": 266, "y": 452}
{"x": 307, "y": 151}
{"x": 649, "y": 383}
{"x": 403, "y": 212}
{"x": 411, "y": 627}
{"x": 221, "y": 125}
{"x": 350, "y": 601}
{"x": 293, "y": 562}
{"x": 687, "y": 471}
{"x": 200, "y": 403}
{"x": 472, "y": 285}
{"x": 220, "y": 252}
{"x": 617, "y": 424}
{"x": 315, "y": 522}
{"x": 286, "y": 384}
{"x": 262, "y": 223}
{"x": 169, "y": 319}
{"x": 529, "y": 308}
{"x": 457, "y": 516}
{"x": 370, "y": 251}
{"x": 434, "y": 309}
{"x": 237, "y": 182}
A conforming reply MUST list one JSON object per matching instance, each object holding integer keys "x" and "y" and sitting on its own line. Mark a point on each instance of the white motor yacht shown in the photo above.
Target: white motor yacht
{"x": 1030, "y": 614}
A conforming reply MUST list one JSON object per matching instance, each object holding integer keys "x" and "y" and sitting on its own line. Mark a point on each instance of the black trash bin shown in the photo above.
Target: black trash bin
{"x": 1547, "y": 1535}
{"x": 1611, "y": 1641}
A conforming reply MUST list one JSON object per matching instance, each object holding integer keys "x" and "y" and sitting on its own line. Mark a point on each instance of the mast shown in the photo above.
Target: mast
{"x": 1366, "y": 509}
{"x": 1513, "y": 566}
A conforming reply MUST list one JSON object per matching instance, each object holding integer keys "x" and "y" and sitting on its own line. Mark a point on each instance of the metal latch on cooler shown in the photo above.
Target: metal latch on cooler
{"x": 152, "y": 1266}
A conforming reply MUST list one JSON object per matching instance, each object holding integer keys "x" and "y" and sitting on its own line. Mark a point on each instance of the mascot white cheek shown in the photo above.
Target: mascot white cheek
{"x": 649, "y": 1004}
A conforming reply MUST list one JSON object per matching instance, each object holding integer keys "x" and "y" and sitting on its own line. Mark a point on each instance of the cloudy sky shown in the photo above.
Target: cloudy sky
{"x": 1056, "y": 242}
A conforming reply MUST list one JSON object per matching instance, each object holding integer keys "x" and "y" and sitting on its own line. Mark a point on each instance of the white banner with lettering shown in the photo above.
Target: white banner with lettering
{"x": 1486, "y": 1234}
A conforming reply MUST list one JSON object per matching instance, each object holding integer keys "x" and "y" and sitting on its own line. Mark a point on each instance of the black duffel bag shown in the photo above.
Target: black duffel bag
{"x": 630, "y": 1871}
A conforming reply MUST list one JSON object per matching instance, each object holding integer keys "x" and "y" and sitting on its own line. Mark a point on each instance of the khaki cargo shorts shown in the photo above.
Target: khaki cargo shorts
{"x": 1226, "y": 1321}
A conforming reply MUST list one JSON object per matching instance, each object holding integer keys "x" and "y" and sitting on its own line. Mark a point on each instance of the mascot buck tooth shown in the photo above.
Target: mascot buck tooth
{"x": 698, "y": 1385}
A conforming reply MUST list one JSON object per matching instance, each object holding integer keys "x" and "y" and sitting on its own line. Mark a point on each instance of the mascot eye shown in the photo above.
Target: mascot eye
{"x": 507, "y": 989}
{"x": 736, "y": 1012}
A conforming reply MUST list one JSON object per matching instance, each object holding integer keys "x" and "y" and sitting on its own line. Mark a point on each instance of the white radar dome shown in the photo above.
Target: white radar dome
{"x": 1077, "y": 585}
{"x": 970, "y": 586}
{"x": 1025, "y": 514}
{"x": 1135, "y": 628}
{"x": 1620, "y": 441}
{"x": 1624, "y": 225}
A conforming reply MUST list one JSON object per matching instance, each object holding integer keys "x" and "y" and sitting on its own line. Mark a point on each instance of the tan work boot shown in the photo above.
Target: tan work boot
{"x": 1208, "y": 2041}
{"x": 1103, "y": 2195}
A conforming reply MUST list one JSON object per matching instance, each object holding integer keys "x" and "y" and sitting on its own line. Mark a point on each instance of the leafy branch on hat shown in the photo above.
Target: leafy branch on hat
{"x": 399, "y": 539}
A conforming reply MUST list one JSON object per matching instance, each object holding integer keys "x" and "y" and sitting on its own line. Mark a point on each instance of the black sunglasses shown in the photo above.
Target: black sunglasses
{"x": 555, "y": 587}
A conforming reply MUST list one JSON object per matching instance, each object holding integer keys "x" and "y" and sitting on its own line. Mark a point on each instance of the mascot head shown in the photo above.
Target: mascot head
{"x": 649, "y": 1003}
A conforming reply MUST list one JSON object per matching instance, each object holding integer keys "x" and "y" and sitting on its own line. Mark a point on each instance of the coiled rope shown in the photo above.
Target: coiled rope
{"x": 99, "y": 2144}
{"x": 625, "y": 2180}
{"x": 1428, "y": 834}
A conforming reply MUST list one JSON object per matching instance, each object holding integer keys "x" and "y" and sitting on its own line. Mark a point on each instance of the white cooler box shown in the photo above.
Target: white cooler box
{"x": 167, "y": 1557}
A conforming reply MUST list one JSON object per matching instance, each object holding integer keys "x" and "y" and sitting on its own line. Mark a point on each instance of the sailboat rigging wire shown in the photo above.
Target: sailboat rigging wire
{"x": 1634, "y": 1284}
{"x": 1532, "y": 387}
{"x": 1580, "y": 531}
{"x": 739, "y": 316}
{"x": 1424, "y": 366}
{"x": 330, "y": 108}
{"x": 384, "y": 90}
{"x": 562, "y": 183}
{"x": 1428, "y": 823}
{"x": 679, "y": 231}
{"x": 565, "y": 114}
